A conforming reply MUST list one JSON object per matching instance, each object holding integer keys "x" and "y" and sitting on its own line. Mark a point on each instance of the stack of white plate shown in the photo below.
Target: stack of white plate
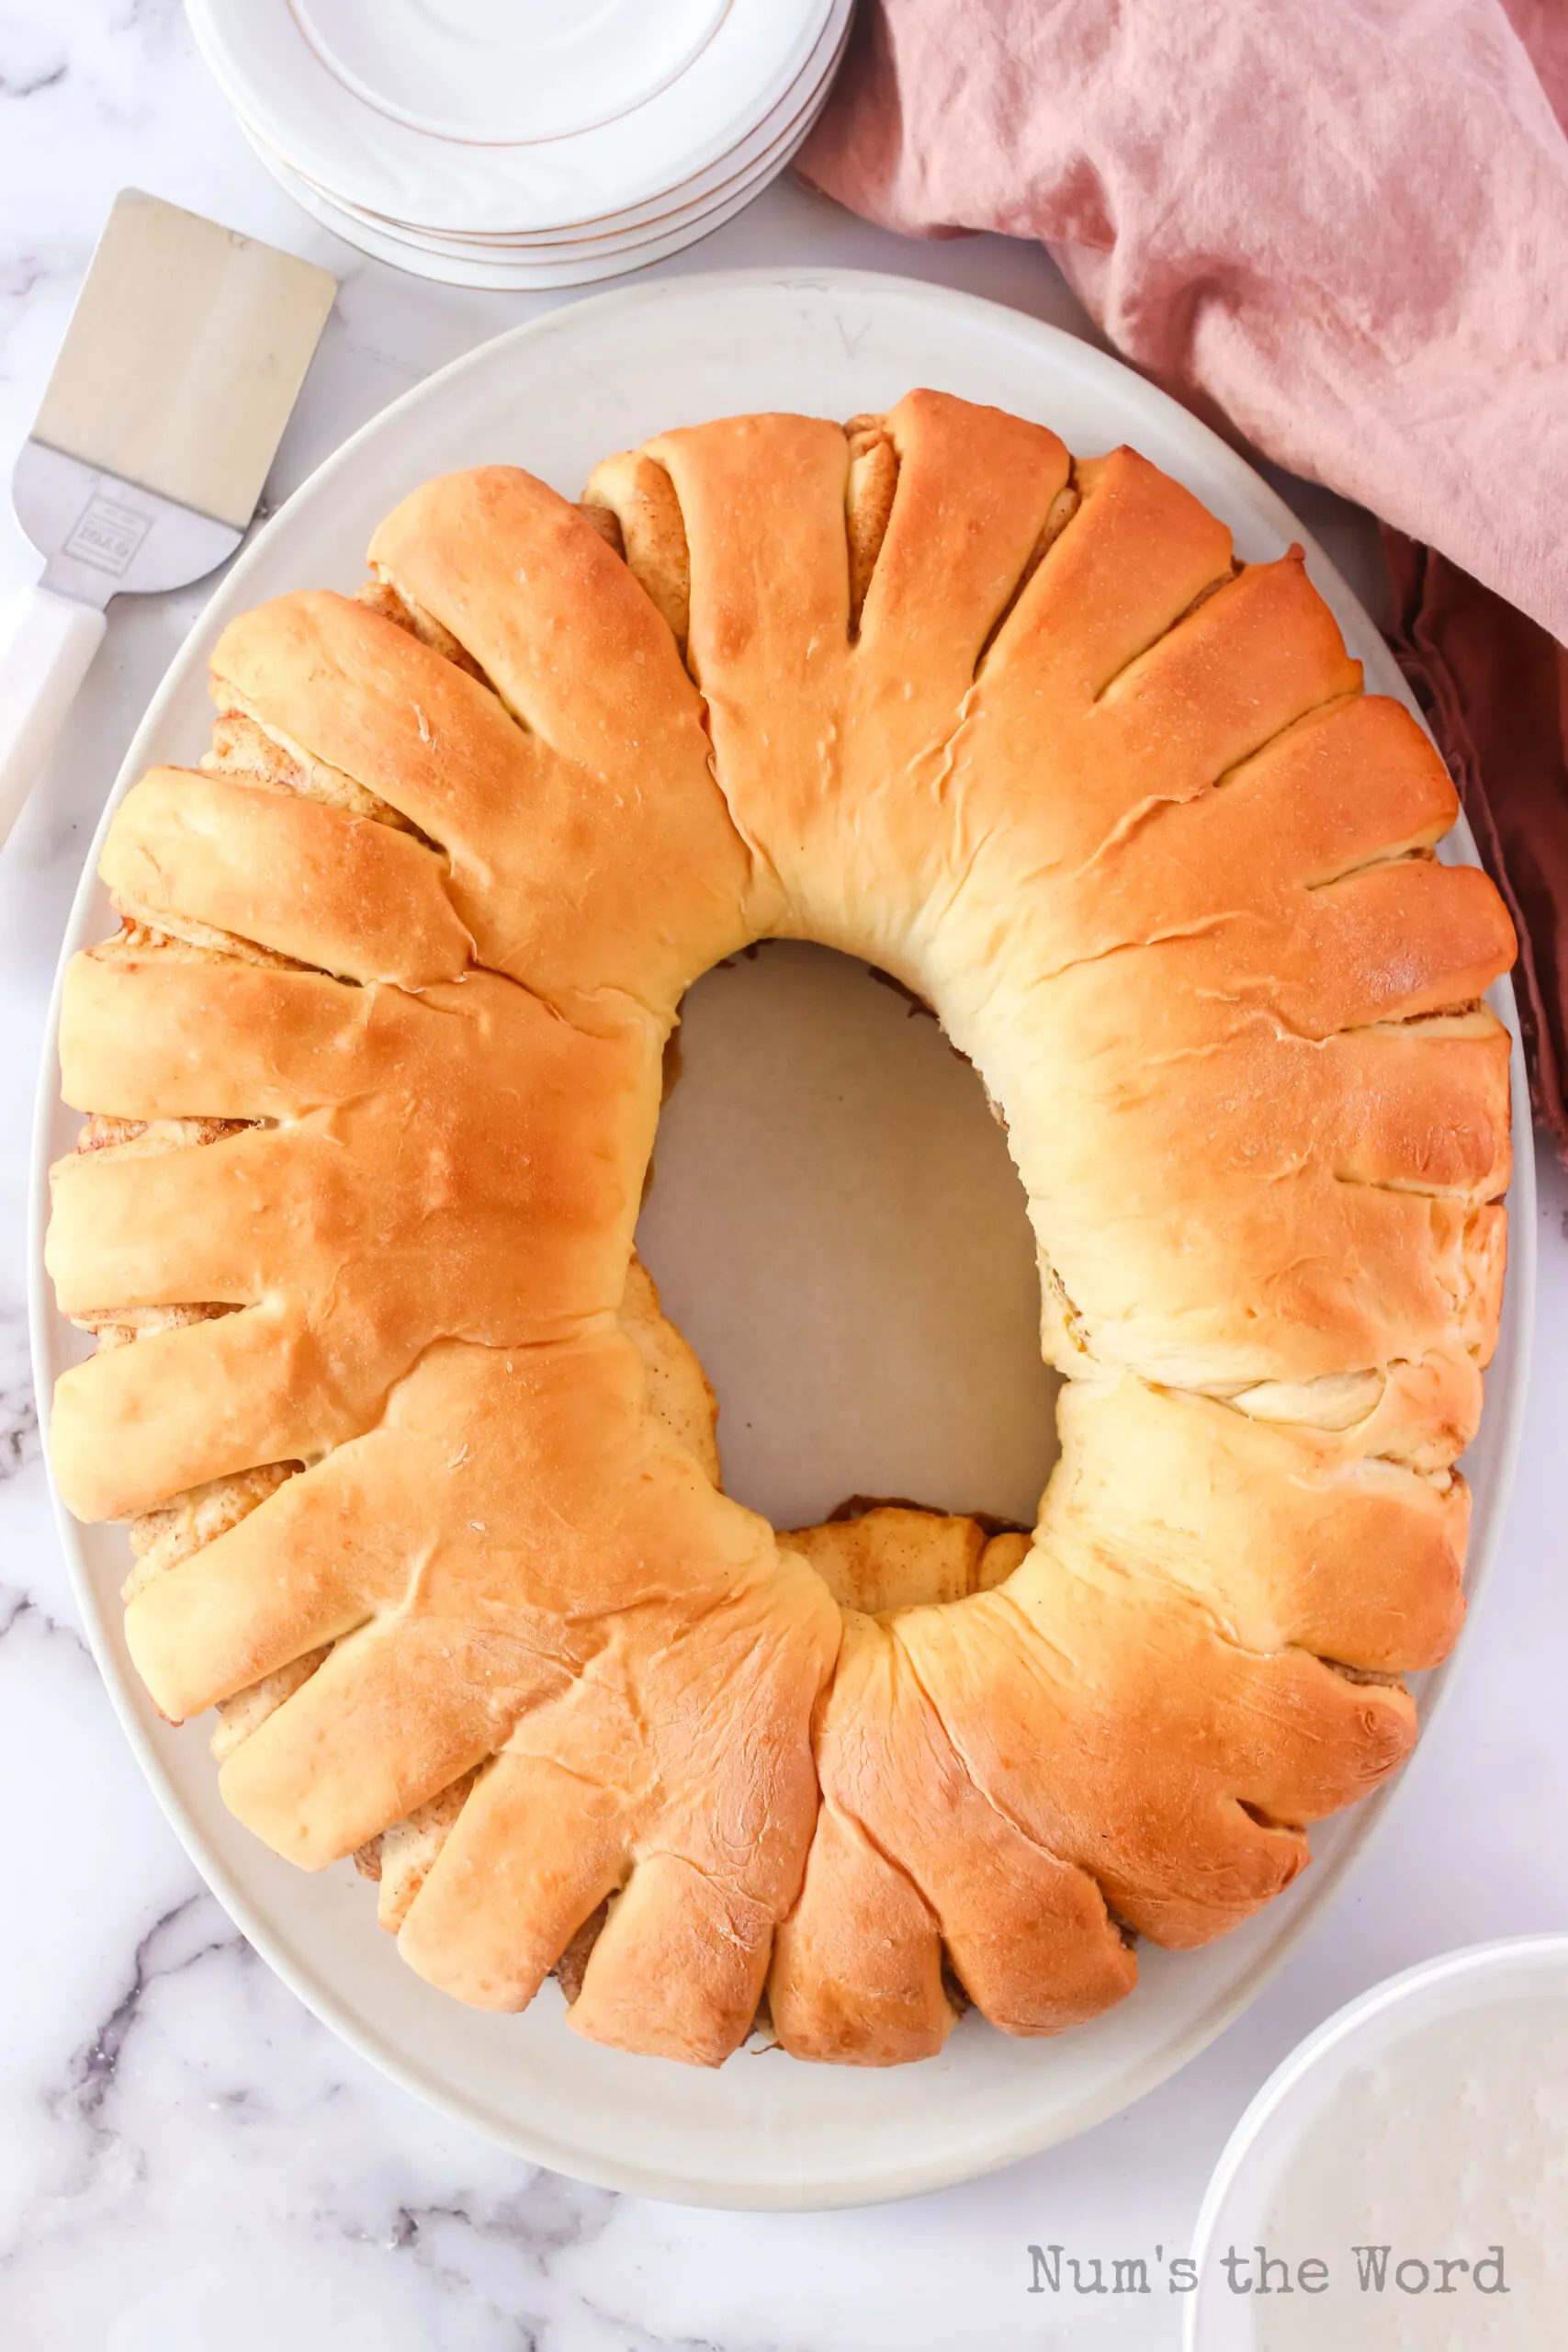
{"x": 524, "y": 143}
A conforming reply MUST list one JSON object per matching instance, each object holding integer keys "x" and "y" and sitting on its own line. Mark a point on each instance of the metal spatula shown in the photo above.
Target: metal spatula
{"x": 176, "y": 378}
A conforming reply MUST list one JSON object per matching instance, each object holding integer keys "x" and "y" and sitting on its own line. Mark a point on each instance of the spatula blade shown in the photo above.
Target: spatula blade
{"x": 184, "y": 358}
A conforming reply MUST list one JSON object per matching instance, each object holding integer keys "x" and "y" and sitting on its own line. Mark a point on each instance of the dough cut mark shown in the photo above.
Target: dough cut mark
{"x": 1064, "y": 507}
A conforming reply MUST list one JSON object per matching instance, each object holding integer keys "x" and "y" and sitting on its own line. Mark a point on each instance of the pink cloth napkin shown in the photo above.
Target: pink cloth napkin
{"x": 1341, "y": 223}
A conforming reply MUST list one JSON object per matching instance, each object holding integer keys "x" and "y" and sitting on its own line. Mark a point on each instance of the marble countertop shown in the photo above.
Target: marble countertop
{"x": 186, "y": 2157}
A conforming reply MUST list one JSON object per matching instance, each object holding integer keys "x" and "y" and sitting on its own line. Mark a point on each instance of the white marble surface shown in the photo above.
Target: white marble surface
{"x": 186, "y": 2156}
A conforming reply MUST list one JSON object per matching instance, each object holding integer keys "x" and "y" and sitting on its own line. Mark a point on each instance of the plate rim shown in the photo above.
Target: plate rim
{"x": 814, "y": 77}
{"x": 678, "y": 204}
{"x": 543, "y": 2145}
{"x": 352, "y": 77}
{"x": 538, "y": 272}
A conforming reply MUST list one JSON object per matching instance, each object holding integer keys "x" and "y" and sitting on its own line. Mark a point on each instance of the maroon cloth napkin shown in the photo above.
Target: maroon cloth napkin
{"x": 1493, "y": 687}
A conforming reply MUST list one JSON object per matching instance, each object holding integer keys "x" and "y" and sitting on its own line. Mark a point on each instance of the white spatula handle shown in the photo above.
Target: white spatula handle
{"x": 46, "y": 643}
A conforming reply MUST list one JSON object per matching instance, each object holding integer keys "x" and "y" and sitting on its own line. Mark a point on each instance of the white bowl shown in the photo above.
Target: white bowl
{"x": 1255, "y": 2198}
{"x": 556, "y": 395}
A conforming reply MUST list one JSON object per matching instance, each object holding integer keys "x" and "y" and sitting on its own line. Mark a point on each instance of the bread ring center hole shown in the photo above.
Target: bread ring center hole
{"x": 835, "y": 1225}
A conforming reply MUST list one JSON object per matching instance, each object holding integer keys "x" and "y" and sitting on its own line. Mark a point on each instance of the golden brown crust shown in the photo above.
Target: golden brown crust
{"x": 553, "y": 830}
{"x": 381, "y": 1212}
{"x": 332, "y": 890}
{"x": 374, "y": 1068}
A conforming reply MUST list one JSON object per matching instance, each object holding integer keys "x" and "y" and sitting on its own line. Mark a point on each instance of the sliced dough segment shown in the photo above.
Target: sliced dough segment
{"x": 948, "y": 566}
{"x": 468, "y": 548}
{"x": 555, "y": 840}
{"x": 145, "y": 1034}
{"x": 536, "y": 1569}
{"x": 856, "y": 1976}
{"x": 464, "y": 1164}
{"x": 696, "y": 1717}
{"x": 1385, "y": 1078}
{"x": 803, "y": 722}
{"x": 1252, "y": 659}
{"x": 321, "y": 1557}
{"x": 133, "y": 1426}
{"x": 1294, "y": 1537}
{"x": 534, "y": 1852}
{"x": 1391, "y": 942}
{"x": 1135, "y": 556}
{"x": 1351, "y": 784}
{"x": 1027, "y": 1932}
{"x": 314, "y": 883}
{"x": 397, "y": 1713}
{"x": 679, "y": 1968}
{"x": 589, "y": 666}
{"x": 1101, "y": 1711}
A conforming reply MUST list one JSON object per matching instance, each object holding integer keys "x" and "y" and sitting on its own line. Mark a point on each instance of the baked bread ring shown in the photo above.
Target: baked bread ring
{"x": 422, "y": 1485}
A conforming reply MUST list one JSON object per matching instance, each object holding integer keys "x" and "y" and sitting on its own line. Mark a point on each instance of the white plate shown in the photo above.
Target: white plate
{"x": 258, "y": 52}
{"x": 517, "y": 262}
{"x": 455, "y": 265}
{"x": 755, "y": 160}
{"x": 505, "y": 73}
{"x": 1238, "y": 2208}
{"x": 804, "y": 97}
{"x": 555, "y": 395}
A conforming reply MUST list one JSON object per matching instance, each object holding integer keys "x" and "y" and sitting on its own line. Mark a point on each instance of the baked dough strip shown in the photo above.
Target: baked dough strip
{"x": 1123, "y": 815}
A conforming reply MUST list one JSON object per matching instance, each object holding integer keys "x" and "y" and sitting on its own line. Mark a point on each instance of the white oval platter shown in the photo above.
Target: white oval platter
{"x": 555, "y": 396}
